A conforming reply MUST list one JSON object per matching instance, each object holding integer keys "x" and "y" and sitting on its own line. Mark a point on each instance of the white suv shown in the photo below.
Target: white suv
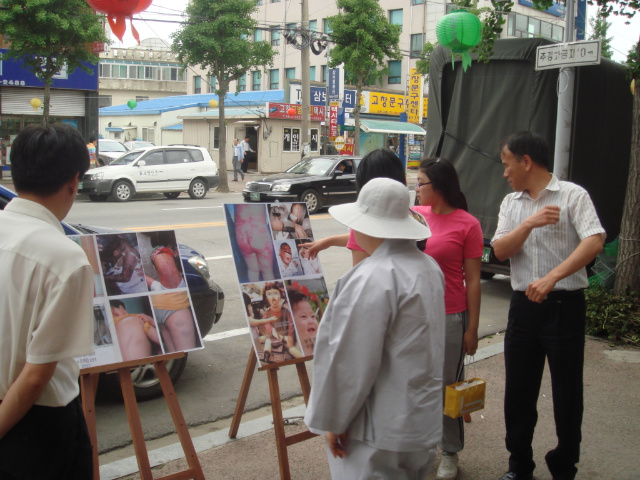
{"x": 170, "y": 170}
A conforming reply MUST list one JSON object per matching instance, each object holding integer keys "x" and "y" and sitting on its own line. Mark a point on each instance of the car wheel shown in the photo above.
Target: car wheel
{"x": 312, "y": 199}
{"x": 122, "y": 191}
{"x": 172, "y": 194}
{"x": 98, "y": 198}
{"x": 487, "y": 275}
{"x": 197, "y": 189}
{"x": 145, "y": 381}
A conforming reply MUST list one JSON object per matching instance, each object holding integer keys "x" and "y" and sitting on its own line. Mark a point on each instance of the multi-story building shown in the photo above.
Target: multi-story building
{"x": 418, "y": 19}
{"x": 144, "y": 72}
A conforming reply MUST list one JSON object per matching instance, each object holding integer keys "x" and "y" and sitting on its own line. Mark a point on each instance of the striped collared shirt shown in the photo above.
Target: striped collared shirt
{"x": 548, "y": 246}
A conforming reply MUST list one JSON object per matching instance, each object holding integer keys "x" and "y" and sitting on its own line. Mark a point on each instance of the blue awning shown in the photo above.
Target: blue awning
{"x": 173, "y": 127}
{"x": 114, "y": 129}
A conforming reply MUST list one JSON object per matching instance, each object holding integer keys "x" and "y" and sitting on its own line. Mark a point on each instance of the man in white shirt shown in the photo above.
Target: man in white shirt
{"x": 238, "y": 156}
{"x": 246, "y": 147}
{"x": 550, "y": 231}
{"x": 46, "y": 295}
{"x": 377, "y": 371}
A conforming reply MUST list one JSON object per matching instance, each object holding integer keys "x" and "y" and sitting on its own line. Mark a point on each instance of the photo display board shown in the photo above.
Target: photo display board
{"x": 283, "y": 290}
{"x": 141, "y": 303}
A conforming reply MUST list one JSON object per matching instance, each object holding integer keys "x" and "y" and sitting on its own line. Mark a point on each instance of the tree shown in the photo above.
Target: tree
{"x": 217, "y": 36}
{"x": 365, "y": 41}
{"x": 48, "y": 35}
{"x": 599, "y": 31}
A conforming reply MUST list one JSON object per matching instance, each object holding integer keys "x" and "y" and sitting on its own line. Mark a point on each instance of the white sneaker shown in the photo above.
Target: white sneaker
{"x": 448, "y": 468}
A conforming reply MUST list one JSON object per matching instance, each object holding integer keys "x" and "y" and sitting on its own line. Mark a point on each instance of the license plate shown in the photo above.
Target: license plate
{"x": 255, "y": 196}
{"x": 486, "y": 253}
{"x": 80, "y": 186}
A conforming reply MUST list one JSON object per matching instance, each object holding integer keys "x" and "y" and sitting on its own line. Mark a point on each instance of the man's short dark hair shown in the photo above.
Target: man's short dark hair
{"x": 528, "y": 143}
{"x": 43, "y": 159}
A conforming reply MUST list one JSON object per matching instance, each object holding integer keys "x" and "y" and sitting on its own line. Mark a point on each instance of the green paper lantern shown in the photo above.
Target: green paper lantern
{"x": 459, "y": 31}
{"x": 132, "y": 104}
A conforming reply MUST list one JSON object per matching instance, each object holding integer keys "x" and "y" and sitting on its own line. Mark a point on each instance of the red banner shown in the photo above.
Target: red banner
{"x": 281, "y": 110}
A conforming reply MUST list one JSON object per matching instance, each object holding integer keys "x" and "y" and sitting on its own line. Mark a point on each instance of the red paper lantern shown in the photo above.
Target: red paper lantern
{"x": 291, "y": 111}
{"x": 117, "y": 12}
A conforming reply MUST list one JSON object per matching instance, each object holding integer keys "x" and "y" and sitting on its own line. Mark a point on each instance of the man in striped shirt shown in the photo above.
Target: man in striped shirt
{"x": 550, "y": 231}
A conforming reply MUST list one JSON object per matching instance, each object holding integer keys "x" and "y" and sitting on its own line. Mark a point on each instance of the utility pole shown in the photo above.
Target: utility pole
{"x": 564, "y": 118}
{"x": 306, "y": 87}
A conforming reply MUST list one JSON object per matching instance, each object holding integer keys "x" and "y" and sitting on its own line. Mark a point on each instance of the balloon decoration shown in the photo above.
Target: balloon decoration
{"x": 459, "y": 31}
{"x": 35, "y": 103}
{"x": 117, "y": 12}
{"x": 132, "y": 104}
{"x": 213, "y": 103}
{"x": 291, "y": 111}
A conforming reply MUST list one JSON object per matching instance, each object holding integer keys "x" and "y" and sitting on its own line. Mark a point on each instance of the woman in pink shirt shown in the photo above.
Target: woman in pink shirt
{"x": 456, "y": 244}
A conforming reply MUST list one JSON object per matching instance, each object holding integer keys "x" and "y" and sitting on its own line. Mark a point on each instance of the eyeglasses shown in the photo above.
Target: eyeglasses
{"x": 418, "y": 185}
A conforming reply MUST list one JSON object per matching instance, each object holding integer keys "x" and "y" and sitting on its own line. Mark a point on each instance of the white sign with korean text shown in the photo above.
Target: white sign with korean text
{"x": 574, "y": 54}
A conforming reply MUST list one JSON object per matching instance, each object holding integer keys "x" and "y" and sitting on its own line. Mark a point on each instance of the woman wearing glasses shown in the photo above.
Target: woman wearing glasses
{"x": 456, "y": 244}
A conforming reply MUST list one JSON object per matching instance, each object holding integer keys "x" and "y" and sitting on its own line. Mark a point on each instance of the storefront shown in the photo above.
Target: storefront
{"x": 74, "y": 100}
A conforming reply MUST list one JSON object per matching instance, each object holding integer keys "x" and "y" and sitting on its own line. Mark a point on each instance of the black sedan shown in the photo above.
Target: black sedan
{"x": 318, "y": 181}
{"x": 206, "y": 295}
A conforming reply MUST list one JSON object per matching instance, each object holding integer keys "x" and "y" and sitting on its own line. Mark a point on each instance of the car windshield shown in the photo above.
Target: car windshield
{"x": 111, "y": 147}
{"x": 312, "y": 166}
{"x": 127, "y": 159}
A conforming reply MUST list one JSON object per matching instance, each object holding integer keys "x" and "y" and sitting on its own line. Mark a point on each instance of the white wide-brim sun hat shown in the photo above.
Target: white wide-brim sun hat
{"x": 382, "y": 211}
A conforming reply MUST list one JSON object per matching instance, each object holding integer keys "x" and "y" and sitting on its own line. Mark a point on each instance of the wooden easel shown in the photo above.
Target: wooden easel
{"x": 88, "y": 385}
{"x": 282, "y": 441}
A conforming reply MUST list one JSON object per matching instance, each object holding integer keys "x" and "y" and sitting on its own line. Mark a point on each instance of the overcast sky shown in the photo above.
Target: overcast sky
{"x": 624, "y": 36}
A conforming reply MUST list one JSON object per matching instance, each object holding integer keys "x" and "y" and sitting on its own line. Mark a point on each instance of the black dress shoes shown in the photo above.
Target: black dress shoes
{"x": 516, "y": 476}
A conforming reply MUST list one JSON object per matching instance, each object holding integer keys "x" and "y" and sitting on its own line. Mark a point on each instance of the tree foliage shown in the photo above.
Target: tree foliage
{"x": 599, "y": 31}
{"x": 364, "y": 42}
{"x": 50, "y": 34}
{"x": 218, "y": 37}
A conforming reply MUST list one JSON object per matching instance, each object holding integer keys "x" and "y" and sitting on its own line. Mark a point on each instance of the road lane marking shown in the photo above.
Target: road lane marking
{"x": 190, "y": 208}
{"x": 221, "y": 257}
{"x": 197, "y": 225}
{"x": 228, "y": 334}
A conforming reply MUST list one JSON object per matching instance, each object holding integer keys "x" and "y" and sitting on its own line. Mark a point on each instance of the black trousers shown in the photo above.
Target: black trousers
{"x": 49, "y": 443}
{"x": 553, "y": 330}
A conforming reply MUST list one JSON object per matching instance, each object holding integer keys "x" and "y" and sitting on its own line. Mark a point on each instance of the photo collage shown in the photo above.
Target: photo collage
{"x": 141, "y": 304}
{"x": 282, "y": 287}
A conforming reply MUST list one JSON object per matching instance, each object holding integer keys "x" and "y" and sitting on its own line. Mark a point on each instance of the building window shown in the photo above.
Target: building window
{"x": 148, "y": 134}
{"x": 275, "y": 38}
{"x": 395, "y": 71}
{"x": 325, "y": 26}
{"x": 523, "y": 26}
{"x": 290, "y": 73}
{"x": 274, "y": 79}
{"x": 197, "y": 84}
{"x": 324, "y": 73}
{"x": 313, "y": 25}
{"x": 216, "y": 138}
{"x": 141, "y": 99}
{"x": 242, "y": 83}
{"x": 104, "y": 101}
{"x": 256, "y": 80}
{"x": 257, "y": 35}
{"x": 395, "y": 17}
{"x": 212, "y": 84}
{"x": 312, "y": 74}
{"x": 275, "y": 1}
{"x": 417, "y": 2}
{"x": 417, "y": 42}
{"x": 258, "y": 3}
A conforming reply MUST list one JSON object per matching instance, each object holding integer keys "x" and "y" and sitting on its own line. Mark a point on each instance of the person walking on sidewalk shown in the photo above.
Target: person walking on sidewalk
{"x": 456, "y": 244}
{"x": 238, "y": 156}
{"x": 246, "y": 147}
{"x": 377, "y": 383}
{"x": 46, "y": 311}
{"x": 550, "y": 230}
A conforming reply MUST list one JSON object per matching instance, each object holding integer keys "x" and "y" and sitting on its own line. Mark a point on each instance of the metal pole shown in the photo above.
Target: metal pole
{"x": 306, "y": 88}
{"x": 564, "y": 117}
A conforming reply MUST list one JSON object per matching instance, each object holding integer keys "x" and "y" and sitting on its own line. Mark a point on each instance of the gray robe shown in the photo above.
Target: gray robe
{"x": 377, "y": 370}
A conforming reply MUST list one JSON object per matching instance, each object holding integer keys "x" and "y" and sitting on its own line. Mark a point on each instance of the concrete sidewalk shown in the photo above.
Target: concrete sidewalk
{"x": 609, "y": 448}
